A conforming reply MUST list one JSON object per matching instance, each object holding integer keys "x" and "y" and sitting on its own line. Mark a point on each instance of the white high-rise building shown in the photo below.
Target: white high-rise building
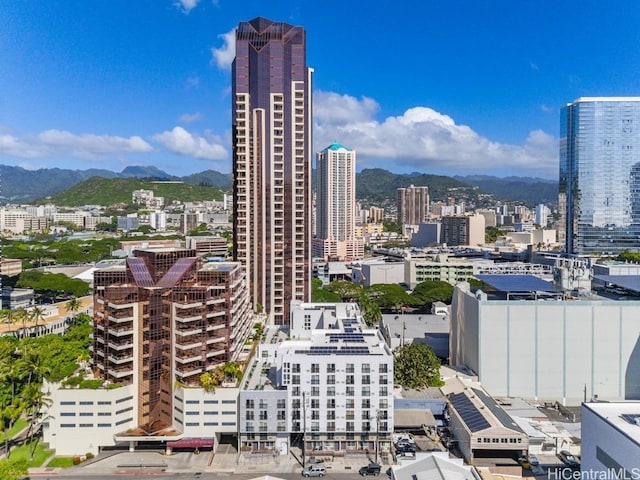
{"x": 336, "y": 204}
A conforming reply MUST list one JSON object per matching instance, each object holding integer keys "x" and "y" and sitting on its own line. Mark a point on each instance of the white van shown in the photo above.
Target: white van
{"x": 316, "y": 470}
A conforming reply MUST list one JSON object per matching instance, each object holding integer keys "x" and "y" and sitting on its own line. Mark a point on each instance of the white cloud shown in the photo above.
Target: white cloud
{"x": 182, "y": 142}
{"x": 59, "y": 143}
{"x": 425, "y": 140}
{"x": 190, "y": 117}
{"x": 223, "y": 56}
{"x": 186, "y": 5}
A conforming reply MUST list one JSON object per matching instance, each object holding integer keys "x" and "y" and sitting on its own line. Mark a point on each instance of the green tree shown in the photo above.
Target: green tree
{"x": 36, "y": 315}
{"x": 370, "y": 310}
{"x": 491, "y": 234}
{"x": 14, "y": 469}
{"x": 212, "y": 379}
{"x": 320, "y": 295}
{"x": 416, "y": 366}
{"x": 346, "y": 290}
{"x": 431, "y": 291}
{"x": 73, "y": 305}
{"x": 389, "y": 296}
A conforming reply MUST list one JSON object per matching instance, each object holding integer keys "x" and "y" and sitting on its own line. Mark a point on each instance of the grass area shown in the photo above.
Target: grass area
{"x": 40, "y": 455}
{"x": 20, "y": 424}
{"x": 60, "y": 462}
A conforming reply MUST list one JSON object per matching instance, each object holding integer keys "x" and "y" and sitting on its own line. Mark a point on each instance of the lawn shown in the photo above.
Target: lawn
{"x": 61, "y": 462}
{"x": 20, "y": 424}
{"x": 39, "y": 457}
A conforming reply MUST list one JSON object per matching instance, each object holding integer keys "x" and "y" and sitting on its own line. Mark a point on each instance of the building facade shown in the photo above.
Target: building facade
{"x": 599, "y": 188}
{"x": 271, "y": 86}
{"x": 547, "y": 348}
{"x": 164, "y": 320}
{"x": 413, "y": 205}
{"x": 336, "y": 205}
{"x": 329, "y": 386}
{"x": 463, "y": 230}
{"x": 610, "y": 439}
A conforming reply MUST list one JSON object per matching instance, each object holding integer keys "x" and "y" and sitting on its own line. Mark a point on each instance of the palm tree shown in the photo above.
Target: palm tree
{"x": 21, "y": 315}
{"x": 34, "y": 400}
{"x": 73, "y": 305}
{"x": 36, "y": 314}
{"x": 9, "y": 317}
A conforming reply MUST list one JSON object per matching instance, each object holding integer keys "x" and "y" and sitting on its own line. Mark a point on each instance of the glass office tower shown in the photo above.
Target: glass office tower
{"x": 271, "y": 111}
{"x": 599, "y": 188}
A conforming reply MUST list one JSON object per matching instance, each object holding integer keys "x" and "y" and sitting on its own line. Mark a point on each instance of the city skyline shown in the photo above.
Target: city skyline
{"x": 444, "y": 88}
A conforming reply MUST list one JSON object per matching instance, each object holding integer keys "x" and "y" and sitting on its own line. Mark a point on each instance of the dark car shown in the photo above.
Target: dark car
{"x": 371, "y": 469}
{"x": 568, "y": 459}
{"x": 405, "y": 447}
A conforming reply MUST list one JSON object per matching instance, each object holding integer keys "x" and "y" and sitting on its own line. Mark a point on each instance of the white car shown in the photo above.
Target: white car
{"x": 533, "y": 461}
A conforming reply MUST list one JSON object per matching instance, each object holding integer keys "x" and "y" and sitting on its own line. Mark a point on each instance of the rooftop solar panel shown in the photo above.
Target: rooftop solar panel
{"x": 517, "y": 283}
{"x": 629, "y": 282}
{"x": 502, "y": 416}
{"x": 471, "y": 416}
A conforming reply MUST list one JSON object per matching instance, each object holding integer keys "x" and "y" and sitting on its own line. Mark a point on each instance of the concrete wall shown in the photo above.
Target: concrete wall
{"x": 80, "y": 421}
{"x": 549, "y": 350}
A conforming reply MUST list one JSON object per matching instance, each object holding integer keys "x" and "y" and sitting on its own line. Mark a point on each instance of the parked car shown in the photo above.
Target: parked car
{"x": 371, "y": 469}
{"x": 533, "y": 460}
{"x": 405, "y": 447}
{"x": 568, "y": 459}
{"x": 316, "y": 470}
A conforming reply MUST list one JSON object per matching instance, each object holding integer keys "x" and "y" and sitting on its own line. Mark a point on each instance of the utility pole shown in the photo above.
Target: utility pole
{"x": 377, "y": 433}
{"x": 304, "y": 429}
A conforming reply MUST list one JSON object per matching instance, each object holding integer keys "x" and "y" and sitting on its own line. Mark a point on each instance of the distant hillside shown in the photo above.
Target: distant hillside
{"x": 146, "y": 172}
{"x": 109, "y": 191}
{"x": 223, "y": 181}
{"x": 377, "y": 184}
{"x": 524, "y": 189}
{"x": 19, "y": 185}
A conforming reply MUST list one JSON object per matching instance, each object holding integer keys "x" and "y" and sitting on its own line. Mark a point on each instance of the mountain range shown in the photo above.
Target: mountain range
{"x": 18, "y": 185}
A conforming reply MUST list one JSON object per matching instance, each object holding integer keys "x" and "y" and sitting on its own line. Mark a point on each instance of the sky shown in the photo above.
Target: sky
{"x": 447, "y": 87}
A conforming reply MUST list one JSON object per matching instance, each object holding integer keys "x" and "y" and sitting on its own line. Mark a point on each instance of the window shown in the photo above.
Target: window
{"x": 315, "y": 379}
{"x": 315, "y": 391}
{"x": 350, "y": 391}
{"x": 366, "y": 391}
{"x": 382, "y": 368}
{"x": 295, "y": 379}
{"x": 249, "y": 403}
{"x": 366, "y": 368}
{"x": 366, "y": 403}
{"x": 282, "y": 403}
{"x": 331, "y": 379}
{"x": 331, "y": 368}
{"x": 383, "y": 379}
{"x": 331, "y": 415}
{"x": 315, "y": 403}
{"x": 366, "y": 379}
{"x": 250, "y": 415}
{"x": 351, "y": 427}
{"x": 350, "y": 380}
{"x": 350, "y": 403}
{"x": 331, "y": 391}
{"x": 315, "y": 368}
{"x": 350, "y": 368}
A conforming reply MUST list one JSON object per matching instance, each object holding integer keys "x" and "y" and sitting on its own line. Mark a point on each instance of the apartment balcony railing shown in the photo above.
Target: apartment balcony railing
{"x": 120, "y": 319}
{"x": 120, "y": 372}
{"x": 119, "y": 332}
{"x": 120, "y": 359}
{"x": 120, "y": 346}
{"x": 185, "y": 332}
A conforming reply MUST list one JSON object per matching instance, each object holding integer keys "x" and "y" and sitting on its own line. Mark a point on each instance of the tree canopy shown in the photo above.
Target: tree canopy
{"x": 430, "y": 291}
{"x": 416, "y": 366}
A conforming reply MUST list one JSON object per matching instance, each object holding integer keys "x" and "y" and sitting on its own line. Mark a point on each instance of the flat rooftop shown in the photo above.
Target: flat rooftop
{"x": 623, "y": 416}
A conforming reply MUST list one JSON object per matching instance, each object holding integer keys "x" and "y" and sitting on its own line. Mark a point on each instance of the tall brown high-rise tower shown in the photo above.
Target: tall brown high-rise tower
{"x": 272, "y": 164}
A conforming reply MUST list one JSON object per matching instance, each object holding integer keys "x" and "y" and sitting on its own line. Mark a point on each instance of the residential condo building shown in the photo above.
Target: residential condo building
{"x": 271, "y": 108}
{"x": 336, "y": 205}
{"x": 413, "y": 205}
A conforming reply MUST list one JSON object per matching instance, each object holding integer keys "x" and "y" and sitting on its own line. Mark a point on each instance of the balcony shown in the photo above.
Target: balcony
{"x": 118, "y": 304}
{"x": 191, "y": 318}
{"x": 121, "y": 346}
{"x": 120, "y": 372}
{"x": 120, "y": 359}
{"x": 188, "y": 357}
{"x": 120, "y": 332}
{"x": 188, "y": 371}
{"x": 215, "y": 353}
{"x": 185, "y": 332}
{"x": 120, "y": 319}
{"x": 188, "y": 304}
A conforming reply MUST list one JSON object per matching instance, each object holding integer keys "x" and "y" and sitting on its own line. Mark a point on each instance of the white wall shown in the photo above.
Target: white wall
{"x": 604, "y": 447}
{"x": 81, "y": 420}
{"x": 549, "y": 350}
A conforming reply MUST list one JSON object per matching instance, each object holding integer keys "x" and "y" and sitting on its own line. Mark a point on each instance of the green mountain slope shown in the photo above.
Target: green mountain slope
{"x": 109, "y": 191}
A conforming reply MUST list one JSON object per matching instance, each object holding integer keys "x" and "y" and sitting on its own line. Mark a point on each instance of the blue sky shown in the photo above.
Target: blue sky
{"x": 444, "y": 87}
